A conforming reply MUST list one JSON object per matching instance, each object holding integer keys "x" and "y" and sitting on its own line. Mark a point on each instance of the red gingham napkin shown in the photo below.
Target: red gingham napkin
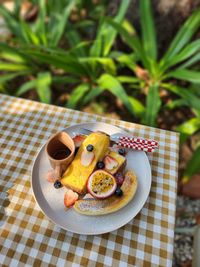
{"x": 137, "y": 143}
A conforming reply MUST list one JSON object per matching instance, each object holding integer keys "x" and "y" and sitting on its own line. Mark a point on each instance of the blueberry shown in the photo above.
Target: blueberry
{"x": 122, "y": 151}
{"x": 100, "y": 165}
{"x": 57, "y": 184}
{"x": 118, "y": 192}
{"x": 89, "y": 148}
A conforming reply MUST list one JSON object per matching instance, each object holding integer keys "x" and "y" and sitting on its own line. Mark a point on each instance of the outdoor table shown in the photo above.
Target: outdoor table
{"x": 29, "y": 238}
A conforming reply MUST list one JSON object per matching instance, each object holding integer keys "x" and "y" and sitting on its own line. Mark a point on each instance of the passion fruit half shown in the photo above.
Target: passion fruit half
{"x": 101, "y": 184}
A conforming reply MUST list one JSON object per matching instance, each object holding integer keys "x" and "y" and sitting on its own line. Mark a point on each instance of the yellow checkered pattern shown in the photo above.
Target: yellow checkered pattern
{"x": 28, "y": 238}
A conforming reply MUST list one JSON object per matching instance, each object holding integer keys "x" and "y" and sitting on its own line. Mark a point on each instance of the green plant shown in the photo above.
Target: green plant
{"x": 87, "y": 65}
{"x": 188, "y": 129}
{"x": 46, "y": 30}
{"x": 153, "y": 74}
{"x": 51, "y": 27}
{"x": 15, "y": 64}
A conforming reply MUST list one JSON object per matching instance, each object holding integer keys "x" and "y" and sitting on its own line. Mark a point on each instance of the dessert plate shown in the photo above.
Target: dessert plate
{"x": 51, "y": 202}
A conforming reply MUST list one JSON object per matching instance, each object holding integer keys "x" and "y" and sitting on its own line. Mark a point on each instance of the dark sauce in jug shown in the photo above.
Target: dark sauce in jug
{"x": 62, "y": 153}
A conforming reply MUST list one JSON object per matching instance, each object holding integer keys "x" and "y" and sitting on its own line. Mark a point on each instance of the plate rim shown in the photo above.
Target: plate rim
{"x": 100, "y": 232}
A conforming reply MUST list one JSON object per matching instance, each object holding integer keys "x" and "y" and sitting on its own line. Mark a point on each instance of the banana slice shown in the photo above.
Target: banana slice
{"x": 111, "y": 204}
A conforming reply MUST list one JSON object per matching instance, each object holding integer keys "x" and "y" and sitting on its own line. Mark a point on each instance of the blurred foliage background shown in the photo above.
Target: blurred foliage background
{"x": 91, "y": 56}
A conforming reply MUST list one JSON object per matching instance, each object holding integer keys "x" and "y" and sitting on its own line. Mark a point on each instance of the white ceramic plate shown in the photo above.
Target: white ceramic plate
{"x": 50, "y": 199}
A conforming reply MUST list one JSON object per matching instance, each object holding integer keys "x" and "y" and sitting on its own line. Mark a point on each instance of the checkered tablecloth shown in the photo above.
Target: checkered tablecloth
{"x": 28, "y": 238}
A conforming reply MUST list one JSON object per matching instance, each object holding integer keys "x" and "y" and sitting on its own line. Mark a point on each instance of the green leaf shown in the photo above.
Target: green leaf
{"x": 10, "y": 20}
{"x": 80, "y": 49}
{"x": 60, "y": 22}
{"x": 94, "y": 92}
{"x": 128, "y": 27}
{"x": 194, "y": 88}
{"x": 42, "y": 84}
{"x": 84, "y": 24}
{"x": 77, "y": 95}
{"x": 153, "y": 104}
{"x": 185, "y": 75}
{"x": 183, "y": 36}
{"x": 17, "y": 8}
{"x": 12, "y": 53}
{"x": 74, "y": 40}
{"x": 148, "y": 29}
{"x": 12, "y": 67}
{"x": 27, "y": 34}
{"x": 68, "y": 63}
{"x": 132, "y": 41}
{"x": 64, "y": 80}
{"x": 189, "y": 127}
{"x": 137, "y": 106}
{"x": 187, "y": 52}
{"x": 106, "y": 34}
{"x": 7, "y": 77}
{"x": 172, "y": 104}
{"x": 127, "y": 60}
{"x": 110, "y": 83}
{"x": 12, "y": 56}
{"x": 191, "y": 61}
{"x": 97, "y": 47}
{"x": 127, "y": 79}
{"x": 25, "y": 87}
{"x": 193, "y": 166}
{"x": 109, "y": 33}
{"x": 107, "y": 63}
{"x": 192, "y": 100}
{"x": 40, "y": 28}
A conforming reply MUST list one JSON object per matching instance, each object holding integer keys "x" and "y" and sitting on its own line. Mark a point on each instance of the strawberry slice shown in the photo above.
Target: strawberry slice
{"x": 87, "y": 157}
{"x": 51, "y": 177}
{"x": 78, "y": 139}
{"x": 70, "y": 198}
{"x": 110, "y": 163}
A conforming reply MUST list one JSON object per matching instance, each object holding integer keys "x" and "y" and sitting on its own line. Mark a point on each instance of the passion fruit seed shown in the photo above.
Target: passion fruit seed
{"x": 100, "y": 165}
{"x": 89, "y": 148}
{"x": 57, "y": 184}
{"x": 118, "y": 192}
{"x": 102, "y": 185}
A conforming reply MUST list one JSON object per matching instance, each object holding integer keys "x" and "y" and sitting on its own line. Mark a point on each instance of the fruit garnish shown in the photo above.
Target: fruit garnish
{"x": 89, "y": 148}
{"x": 100, "y": 165}
{"x": 51, "y": 177}
{"x": 86, "y": 158}
{"x": 101, "y": 184}
{"x": 122, "y": 151}
{"x": 119, "y": 178}
{"x": 70, "y": 198}
{"x": 78, "y": 139}
{"x": 110, "y": 163}
{"x": 118, "y": 192}
{"x": 57, "y": 184}
{"x": 76, "y": 175}
{"x": 93, "y": 207}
